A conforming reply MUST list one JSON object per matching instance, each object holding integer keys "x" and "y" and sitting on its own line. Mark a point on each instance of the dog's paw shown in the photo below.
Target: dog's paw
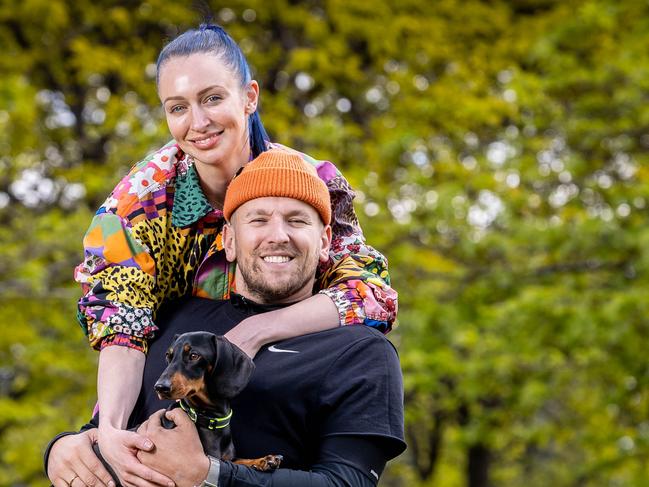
{"x": 267, "y": 463}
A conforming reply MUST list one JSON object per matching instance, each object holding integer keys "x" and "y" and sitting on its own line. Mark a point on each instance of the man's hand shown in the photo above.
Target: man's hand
{"x": 119, "y": 448}
{"x": 178, "y": 452}
{"x": 72, "y": 462}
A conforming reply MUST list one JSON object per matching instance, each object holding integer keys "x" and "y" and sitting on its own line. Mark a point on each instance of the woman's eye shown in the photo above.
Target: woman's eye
{"x": 213, "y": 98}
{"x": 176, "y": 109}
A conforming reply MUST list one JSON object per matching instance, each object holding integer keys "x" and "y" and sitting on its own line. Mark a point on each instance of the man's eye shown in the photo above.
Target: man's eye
{"x": 194, "y": 356}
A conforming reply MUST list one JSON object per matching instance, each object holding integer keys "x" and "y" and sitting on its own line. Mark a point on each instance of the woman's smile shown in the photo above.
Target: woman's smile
{"x": 207, "y": 142}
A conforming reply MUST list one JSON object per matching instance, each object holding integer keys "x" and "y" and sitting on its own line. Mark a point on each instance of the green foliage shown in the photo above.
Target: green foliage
{"x": 499, "y": 152}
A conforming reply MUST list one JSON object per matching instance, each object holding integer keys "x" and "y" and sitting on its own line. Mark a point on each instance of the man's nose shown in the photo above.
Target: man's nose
{"x": 278, "y": 232}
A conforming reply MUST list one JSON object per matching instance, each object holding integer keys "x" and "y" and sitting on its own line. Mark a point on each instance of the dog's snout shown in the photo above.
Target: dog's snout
{"x": 163, "y": 387}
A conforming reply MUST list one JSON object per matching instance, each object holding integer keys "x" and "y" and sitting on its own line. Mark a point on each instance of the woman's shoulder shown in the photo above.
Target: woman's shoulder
{"x": 155, "y": 169}
{"x": 154, "y": 172}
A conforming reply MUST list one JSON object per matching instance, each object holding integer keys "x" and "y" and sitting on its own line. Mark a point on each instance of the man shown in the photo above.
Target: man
{"x": 329, "y": 402}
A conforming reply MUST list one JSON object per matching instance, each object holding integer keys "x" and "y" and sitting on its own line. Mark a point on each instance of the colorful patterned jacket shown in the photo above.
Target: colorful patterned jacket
{"x": 156, "y": 237}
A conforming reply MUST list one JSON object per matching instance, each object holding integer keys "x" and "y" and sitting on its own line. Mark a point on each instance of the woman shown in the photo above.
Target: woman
{"x": 158, "y": 235}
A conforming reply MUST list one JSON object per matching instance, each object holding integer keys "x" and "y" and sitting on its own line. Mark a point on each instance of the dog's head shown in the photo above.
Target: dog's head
{"x": 202, "y": 368}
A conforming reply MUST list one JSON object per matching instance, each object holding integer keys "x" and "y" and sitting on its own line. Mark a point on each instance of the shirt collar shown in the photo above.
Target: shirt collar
{"x": 188, "y": 189}
{"x": 248, "y": 305}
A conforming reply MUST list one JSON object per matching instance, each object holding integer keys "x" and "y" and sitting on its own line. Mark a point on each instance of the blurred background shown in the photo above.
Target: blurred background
{"x": 499, "y": 153}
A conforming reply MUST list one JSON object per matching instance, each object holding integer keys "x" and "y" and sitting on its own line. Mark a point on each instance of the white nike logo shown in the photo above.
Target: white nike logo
{"x": 273, "y": 348}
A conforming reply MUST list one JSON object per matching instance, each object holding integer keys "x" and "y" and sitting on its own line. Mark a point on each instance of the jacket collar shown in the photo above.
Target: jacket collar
{"x": 190, "y": 203}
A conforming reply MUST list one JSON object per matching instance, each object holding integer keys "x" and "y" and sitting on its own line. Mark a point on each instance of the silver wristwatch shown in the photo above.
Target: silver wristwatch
{"x": 212, "y": 479}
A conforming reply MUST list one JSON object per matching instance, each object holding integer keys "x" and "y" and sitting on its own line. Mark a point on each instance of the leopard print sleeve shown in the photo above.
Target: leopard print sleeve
{"x": 134, "y": 257}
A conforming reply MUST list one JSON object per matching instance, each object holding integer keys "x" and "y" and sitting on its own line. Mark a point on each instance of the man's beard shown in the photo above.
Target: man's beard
{"x": 262, "y": 285}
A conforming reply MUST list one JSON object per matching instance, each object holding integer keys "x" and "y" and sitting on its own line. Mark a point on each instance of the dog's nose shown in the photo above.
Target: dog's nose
{"x": 163, "y": 388}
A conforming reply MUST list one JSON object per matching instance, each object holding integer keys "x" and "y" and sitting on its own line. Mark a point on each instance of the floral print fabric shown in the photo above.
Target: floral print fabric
{"x": 156, "y": 237}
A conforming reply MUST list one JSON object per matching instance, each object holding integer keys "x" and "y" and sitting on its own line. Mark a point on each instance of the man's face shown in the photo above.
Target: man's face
{"x": 277, "y": 243}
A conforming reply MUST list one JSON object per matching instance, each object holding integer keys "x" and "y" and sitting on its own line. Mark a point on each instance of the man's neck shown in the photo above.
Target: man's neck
{"x": 245, "y": 292}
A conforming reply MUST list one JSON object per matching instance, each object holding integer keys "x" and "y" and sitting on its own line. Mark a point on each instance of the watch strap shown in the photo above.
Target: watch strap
{"x": 212, "y": 479}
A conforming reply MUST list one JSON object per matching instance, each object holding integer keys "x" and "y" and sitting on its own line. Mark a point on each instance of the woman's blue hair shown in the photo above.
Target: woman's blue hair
{"x": 211, "y": 38}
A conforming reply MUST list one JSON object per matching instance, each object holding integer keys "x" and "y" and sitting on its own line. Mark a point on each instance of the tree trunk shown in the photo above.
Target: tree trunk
{"x": 478, "y": 466}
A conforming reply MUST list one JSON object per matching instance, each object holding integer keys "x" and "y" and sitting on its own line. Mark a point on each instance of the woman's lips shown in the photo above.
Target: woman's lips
{"x": 207, "y": 142}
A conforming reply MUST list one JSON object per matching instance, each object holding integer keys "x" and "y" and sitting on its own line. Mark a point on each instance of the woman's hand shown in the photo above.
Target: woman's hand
{"x": 119, "y": 448}
{"x": 72, "y": 461}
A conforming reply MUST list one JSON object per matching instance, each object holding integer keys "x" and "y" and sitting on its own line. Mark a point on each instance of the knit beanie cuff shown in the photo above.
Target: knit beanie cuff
{"x": 281, "y": 174}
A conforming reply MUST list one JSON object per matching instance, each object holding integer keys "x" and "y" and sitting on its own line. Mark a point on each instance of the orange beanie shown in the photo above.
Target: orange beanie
{"x": 278, "y": 173}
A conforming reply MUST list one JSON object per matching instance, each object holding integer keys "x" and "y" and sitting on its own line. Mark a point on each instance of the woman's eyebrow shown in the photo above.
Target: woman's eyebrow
{"x": 200, "y": 93}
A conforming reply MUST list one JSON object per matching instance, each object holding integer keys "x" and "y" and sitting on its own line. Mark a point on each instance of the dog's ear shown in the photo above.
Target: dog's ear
{"x": 232, "y": 369}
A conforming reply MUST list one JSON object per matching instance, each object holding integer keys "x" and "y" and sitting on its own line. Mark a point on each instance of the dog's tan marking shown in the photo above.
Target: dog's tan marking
{"x": 263, "y": 464}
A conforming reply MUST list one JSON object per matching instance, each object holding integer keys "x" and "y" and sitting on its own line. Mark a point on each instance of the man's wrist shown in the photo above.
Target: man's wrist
{"x": 212, "y": 477}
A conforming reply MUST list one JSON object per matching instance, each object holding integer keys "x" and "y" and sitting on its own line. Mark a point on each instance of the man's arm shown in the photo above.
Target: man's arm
{"x": 321, "y": 475}
{"x": 339, "y": 464}
{"x": 343, "y": 461}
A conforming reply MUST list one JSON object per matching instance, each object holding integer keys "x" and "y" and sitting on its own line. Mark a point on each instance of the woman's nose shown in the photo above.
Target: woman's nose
{"x": 200, "y": 120}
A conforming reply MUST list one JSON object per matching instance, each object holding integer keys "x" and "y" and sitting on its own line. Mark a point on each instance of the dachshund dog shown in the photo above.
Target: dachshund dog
{"x": 204, "y": 373}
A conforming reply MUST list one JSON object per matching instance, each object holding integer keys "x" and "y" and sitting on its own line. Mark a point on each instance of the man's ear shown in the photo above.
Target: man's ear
{"x": 325, "y": 244}
{"x": 251, "y": 97}
{"x": 229, "y": 244}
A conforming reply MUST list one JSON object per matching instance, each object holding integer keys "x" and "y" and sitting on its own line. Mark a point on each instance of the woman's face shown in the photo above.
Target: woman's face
{"x": 207, "y": 109}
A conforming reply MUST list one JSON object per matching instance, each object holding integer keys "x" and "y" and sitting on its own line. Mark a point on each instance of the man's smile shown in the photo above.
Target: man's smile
{"x": 277, "y": 259}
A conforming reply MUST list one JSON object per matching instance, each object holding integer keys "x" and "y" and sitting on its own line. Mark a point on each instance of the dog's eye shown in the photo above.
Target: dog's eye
{"x": 194, "y": 356}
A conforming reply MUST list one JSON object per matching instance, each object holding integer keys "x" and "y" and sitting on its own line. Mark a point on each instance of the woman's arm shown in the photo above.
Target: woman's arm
{"x": 119, "y": 380}
{"x": 122, "y": 289}
{"x": 313, "y": 314}
{"x": 113, "y": 362}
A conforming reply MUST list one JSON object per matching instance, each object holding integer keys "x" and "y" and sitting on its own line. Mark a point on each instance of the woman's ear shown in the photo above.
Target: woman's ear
{"x": 251, "y": 97}
{"x": 229, "y": 244}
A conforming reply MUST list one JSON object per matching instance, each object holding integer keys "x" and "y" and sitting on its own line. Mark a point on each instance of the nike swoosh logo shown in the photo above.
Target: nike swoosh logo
{"x": 273, "y": 348}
